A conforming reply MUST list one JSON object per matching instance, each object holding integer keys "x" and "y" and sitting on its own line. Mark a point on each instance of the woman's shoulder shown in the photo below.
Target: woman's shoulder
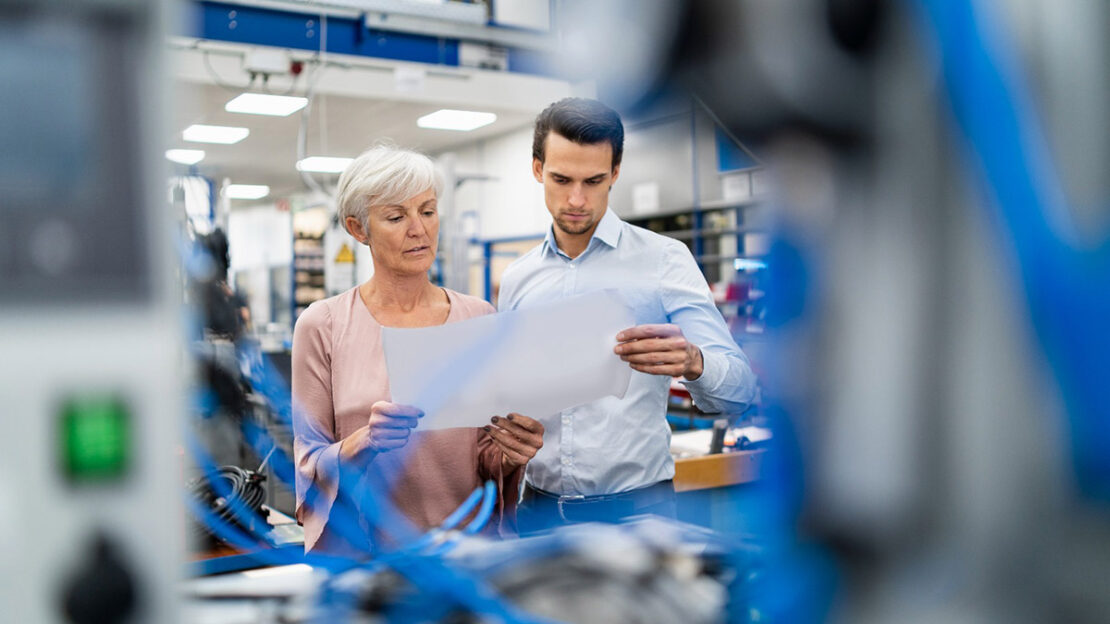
{"x": 469, "y": 305}
{"x": 320, "y": 314}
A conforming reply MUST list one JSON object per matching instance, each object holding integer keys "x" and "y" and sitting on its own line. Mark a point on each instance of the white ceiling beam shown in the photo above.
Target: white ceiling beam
{"x": 372, "y": 78}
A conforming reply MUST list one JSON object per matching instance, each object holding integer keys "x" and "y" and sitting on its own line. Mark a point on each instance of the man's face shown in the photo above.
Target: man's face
{"x": 576, "y": 181}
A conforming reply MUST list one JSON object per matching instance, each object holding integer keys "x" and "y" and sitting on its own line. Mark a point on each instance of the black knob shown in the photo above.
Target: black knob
{"x": 102, "y": 590}
{"x": 717, "y": 443}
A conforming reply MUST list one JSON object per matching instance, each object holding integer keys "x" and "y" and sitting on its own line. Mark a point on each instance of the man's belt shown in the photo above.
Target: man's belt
{"x": 639, "y": 498}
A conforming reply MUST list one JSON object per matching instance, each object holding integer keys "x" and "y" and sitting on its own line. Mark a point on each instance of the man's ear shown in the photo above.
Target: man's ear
{"x": 613, "y": 178}
{"x": 357, "y": 229}
{"x": 537, "y": 169}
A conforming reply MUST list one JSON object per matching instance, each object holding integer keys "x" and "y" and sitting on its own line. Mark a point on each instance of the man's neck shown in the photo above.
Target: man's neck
{"x": 573, "y": 244}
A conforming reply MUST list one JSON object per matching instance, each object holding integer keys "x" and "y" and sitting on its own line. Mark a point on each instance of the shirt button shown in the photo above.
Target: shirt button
{"x": 566, "y": 461}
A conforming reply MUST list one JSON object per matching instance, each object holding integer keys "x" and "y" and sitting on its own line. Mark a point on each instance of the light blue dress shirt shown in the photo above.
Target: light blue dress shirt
{"x": 614, "y": 445}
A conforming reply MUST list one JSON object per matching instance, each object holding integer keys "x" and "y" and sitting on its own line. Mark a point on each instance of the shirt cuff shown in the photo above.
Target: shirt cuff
{"x": 714, "y": 367}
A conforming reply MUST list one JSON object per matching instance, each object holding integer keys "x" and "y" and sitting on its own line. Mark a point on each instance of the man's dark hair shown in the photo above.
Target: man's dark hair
{"x": 581, "y": 120}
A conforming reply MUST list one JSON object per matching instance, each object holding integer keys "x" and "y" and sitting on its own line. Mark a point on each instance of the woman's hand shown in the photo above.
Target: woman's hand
{"x": 519, "y": 437}
{"x": 388, "y": 428}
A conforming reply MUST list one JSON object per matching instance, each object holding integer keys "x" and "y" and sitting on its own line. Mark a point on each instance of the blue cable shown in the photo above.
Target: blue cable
{"x": 421, "y": 571}
{"x": 463, "y": 510}
{"x": 270, "y": 385}
{"x": 433, "y": 573}
{"x": 345, "y": 521}
{"x": 448, "y": 523}
{"x": 479, "y": 521}
{"x": 241, "y": 541}
{"x": 1065, "y": 288}
{"x": 416, "y": 569}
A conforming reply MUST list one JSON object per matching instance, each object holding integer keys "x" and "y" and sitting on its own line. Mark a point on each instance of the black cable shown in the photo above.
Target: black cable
{"x": 246, "y": 492}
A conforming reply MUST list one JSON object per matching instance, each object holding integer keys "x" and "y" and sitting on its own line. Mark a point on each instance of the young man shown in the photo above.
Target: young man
{"x": 610, "y": 459}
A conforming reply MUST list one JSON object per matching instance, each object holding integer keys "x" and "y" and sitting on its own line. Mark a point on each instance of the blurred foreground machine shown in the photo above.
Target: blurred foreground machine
{"x": 939, "y": 280}
{"x": 649, "y": 571}
{"x": 89, "y": 476}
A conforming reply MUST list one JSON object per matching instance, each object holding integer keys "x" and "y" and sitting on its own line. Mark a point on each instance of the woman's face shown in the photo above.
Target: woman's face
{"x": 404, "y": 237}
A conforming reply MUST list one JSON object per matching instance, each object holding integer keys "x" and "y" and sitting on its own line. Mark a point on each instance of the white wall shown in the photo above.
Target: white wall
{"x": 533, "y": 14}
{"x": 260, "y": 236}
{"x": 510, "y": 205}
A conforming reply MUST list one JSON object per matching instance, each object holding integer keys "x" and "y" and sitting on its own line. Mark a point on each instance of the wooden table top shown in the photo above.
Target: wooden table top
{"x": 718, "y": 470}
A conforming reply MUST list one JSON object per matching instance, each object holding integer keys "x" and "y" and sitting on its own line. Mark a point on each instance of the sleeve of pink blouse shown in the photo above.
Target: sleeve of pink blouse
{"x": 315, "y": 450}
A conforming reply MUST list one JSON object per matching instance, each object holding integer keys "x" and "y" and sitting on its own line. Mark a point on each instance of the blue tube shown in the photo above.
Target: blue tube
{"x": 463, "y": 510}
{"x": 1065, "y": 287}
{"x": 479, "y": 521}
{"x": 423, "y": 572}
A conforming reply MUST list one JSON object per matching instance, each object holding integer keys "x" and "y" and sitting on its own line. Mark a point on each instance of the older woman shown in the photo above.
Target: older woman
{"x": 343, "y": 417}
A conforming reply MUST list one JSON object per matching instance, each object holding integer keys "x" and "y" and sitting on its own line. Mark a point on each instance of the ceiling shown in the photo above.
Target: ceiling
{"x": 353, "y": 107}
{"x": 339, "y": 126}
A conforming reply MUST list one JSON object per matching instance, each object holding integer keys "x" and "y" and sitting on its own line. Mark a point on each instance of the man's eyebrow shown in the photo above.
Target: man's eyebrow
{"x": 593, "y": 177}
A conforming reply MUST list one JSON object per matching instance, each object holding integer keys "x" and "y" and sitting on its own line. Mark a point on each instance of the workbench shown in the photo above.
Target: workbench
{"x": 717, "y": 470}
{"x": 717, "y": 491}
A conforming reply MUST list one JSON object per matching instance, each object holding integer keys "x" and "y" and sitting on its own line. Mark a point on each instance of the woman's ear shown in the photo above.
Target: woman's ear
{"x": 357, "y": 229}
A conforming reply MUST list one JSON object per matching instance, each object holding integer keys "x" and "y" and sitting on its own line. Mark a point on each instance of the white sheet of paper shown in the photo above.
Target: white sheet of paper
{"x": 535, "y": 362}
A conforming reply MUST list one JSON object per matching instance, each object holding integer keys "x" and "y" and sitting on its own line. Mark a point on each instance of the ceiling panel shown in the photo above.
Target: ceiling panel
{"x": 338, "y": 126}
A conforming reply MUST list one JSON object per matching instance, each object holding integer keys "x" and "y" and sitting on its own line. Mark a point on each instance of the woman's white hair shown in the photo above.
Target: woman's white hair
{"x": 384, "y": 175}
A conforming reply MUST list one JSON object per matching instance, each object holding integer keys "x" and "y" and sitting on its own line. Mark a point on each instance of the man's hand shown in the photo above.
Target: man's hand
{"x": 519, "y": 437}
{"x": 659, "y": 350}
{"x": 388, "y": 428}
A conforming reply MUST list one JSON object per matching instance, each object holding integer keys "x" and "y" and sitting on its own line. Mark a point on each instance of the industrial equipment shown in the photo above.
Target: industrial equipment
{"x": 89, "y": 497}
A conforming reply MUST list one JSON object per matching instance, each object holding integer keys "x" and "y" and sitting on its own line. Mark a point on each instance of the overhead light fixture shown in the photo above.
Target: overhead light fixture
{"x": 323, "y": 164}
{"x": 185, "y": 156}
{"x": 246, "y": 191}
{"x": 224, "y": 135}
{"x": 447, "y": 119}
{"x": 265, "y": 104}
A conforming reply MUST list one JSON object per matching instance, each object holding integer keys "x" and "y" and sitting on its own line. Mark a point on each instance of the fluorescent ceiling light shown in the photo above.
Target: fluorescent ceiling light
{"x": 185, "y": 156}
{"x": 224, "y": 135}
{"x": 447, "y": 119}
{"x": 246, "y": 191}
{"x": 263, "y": 104}
{"x": 323, "y": 164}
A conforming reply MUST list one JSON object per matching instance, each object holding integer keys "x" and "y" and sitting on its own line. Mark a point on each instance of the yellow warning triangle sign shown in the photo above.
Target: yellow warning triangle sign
{"x": 345, "y": 255}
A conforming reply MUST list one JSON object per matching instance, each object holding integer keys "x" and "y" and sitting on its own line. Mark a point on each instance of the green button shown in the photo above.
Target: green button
{"x": 96, "y": 438}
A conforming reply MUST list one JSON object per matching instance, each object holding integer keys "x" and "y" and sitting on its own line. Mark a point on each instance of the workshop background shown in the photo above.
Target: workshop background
{"x": 902, "y": 208}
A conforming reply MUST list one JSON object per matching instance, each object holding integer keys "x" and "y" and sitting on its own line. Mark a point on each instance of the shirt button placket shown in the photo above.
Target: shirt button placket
{"x": 570, "y": 284}
{"x": 566, "y": 452}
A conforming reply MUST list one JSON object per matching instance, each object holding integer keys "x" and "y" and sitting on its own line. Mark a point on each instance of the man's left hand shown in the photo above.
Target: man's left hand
{"x": 659, "y": 350}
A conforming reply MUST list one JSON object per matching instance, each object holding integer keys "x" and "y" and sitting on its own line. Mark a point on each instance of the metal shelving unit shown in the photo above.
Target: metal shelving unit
{"x": 719, "y": 235}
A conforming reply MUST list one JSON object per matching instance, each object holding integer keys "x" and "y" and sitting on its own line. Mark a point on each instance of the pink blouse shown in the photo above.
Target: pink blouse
{"x": 338, "y": 373}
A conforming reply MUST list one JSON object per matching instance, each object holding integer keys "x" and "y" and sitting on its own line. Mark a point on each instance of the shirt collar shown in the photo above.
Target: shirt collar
{"x": 608, "y": 231}
{"x": 609, "y": 228}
